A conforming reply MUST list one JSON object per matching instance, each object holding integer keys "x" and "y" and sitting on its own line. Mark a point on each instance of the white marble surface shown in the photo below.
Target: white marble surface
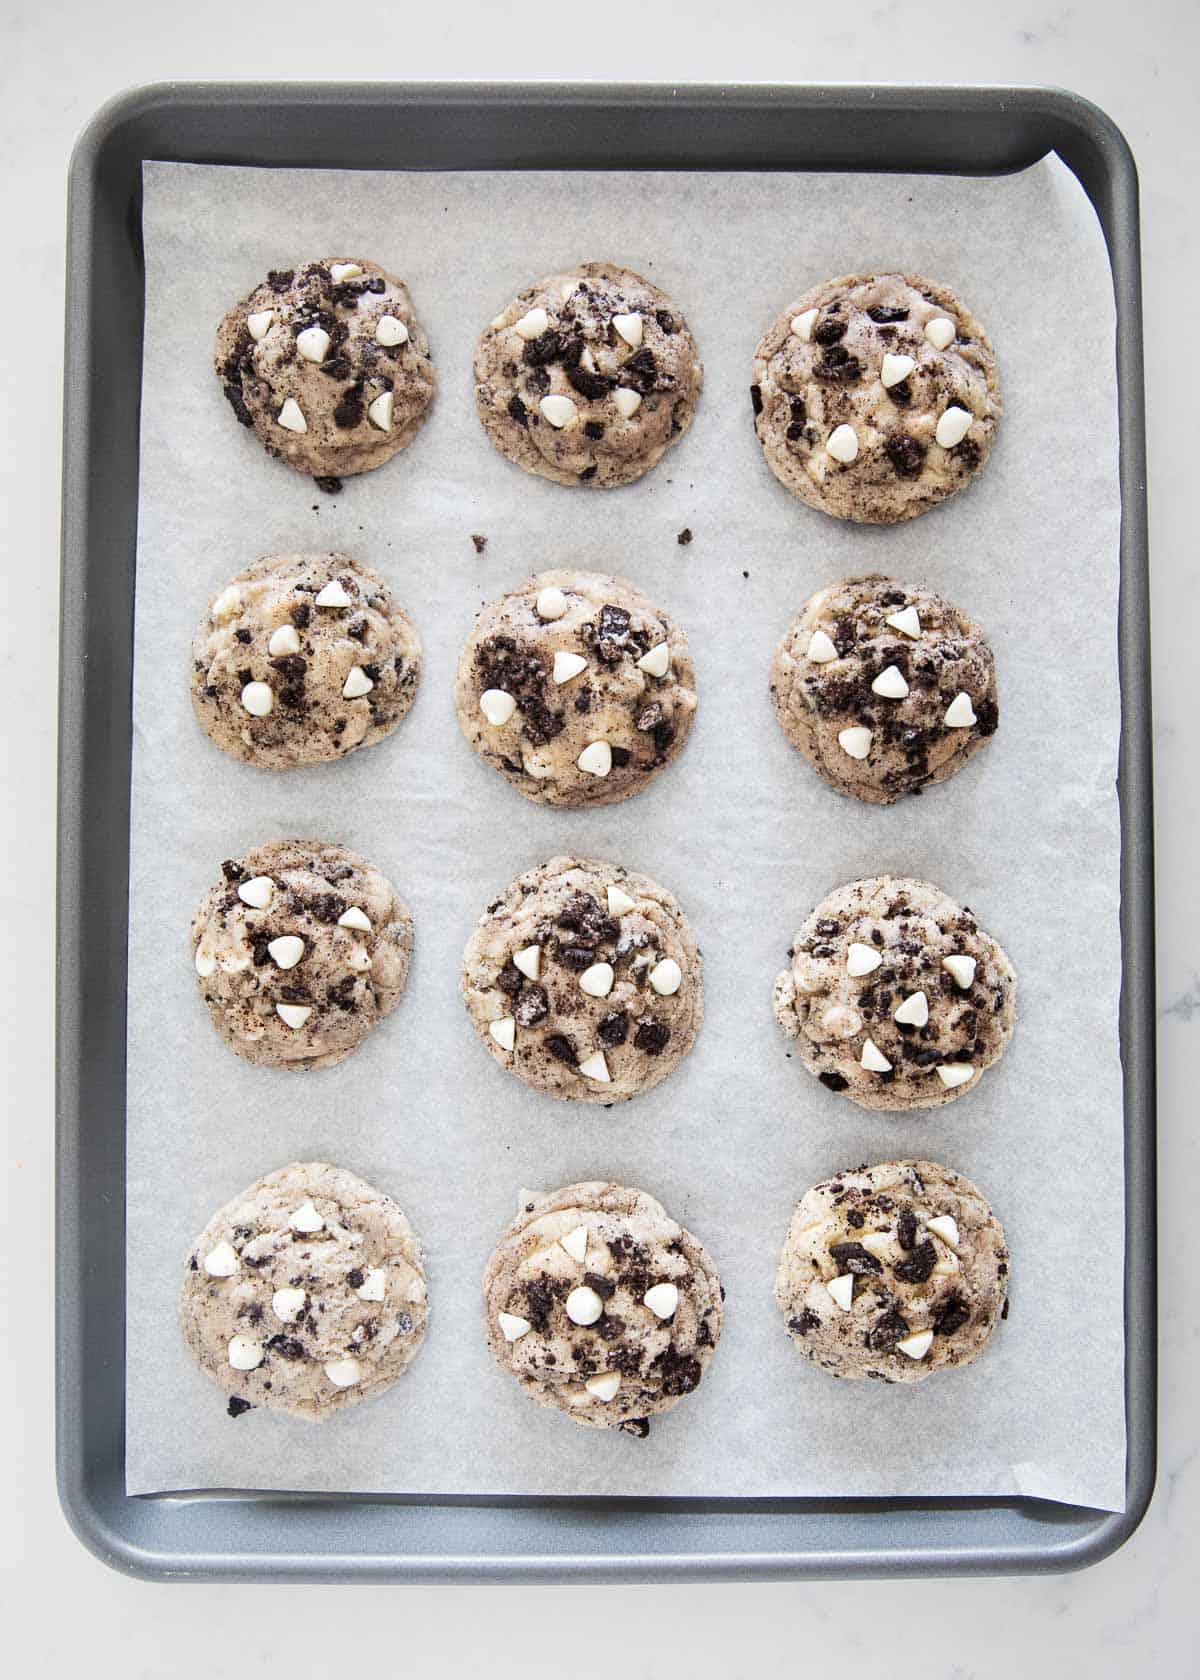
{"x": 58, "y": 60}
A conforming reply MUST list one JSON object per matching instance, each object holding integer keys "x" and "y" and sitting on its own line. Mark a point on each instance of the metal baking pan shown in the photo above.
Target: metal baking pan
{"x": 976, "y": 131}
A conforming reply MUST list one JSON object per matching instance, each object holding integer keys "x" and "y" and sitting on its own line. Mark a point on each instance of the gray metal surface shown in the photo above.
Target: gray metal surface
{"x": 280, "y": 1537}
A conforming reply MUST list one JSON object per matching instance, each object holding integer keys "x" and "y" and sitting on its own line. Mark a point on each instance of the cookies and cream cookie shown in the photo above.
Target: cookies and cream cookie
{"x": 329, "y": 366}
{"x": 893, "y": 1272}
{"x": 875, "y": 396}
{"x": 576, "y": 687}
{"x": 601, "y": 1306}
{"x": 895, "y": 996}
{"x": 587, "y": 377}
{"x": 305, "y": 1294}
{"x": 583, "y": 979}
{"x": 299, "y": 950}
{"x": 884, "y": 687}
{"x": 302, "y": 658}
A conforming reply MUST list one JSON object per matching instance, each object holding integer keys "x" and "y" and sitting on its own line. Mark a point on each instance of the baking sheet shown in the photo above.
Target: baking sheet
{"x": 739, "y": 828}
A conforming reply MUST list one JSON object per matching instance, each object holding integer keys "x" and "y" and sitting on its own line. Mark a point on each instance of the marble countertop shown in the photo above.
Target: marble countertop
{"x": 58, "y": 62}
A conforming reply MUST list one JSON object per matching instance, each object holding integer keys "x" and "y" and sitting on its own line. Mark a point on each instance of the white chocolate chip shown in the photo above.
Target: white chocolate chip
{"x": 293, "y": 1015}
{"x": 227, "y": 605}
{"x": 206, "y": 963}
{"x": 504, "y": 1031}
{"x": 534, "y": 324}
{"x": 567, "y": 289}
{"x": 333, "y": 595}
{"x": 946, "y": 1265}
{"x": 288, "y": 1304}
{"x": 221, "y": 1261}
{"x": 344, "y": 271}
{"x": 244, "y": 1353}
{"x": 630, "y": 329}
{"x": 283, "y": 641}
{"x": 873, "y": 1058}
{"x": 390, "y": 331}
{"x": 291, "y": 418}
{"x": 842, "y": 444}
{"x": 595, "y": 1067}
{"x": 619, "y": 903}
{"x": 953, "y": 426}
{"x": 379, "y": 412}
{"x": 259, "y": 324}
{"x": 343, "y": 1373}
{"x": 840, "y": 1022}
{"x": 894, "y": 369}
{"x": 558, "y": 410}
{"x": 604, "y": 1385}
{"x": 878, "y": 1243}
{"x": 862, "y": 959}
{"x": 596, "y": 759}
{"x": 575, "y": 1242}
{"x": 940, "y": 332}
{"x": 960, "y": 714}
{"x": 820, "y": 649}
{"x": 529, "y": 961}
{"x": 945, "y": 1226}
{"x": 359, "y": 958}
{"x": 597, "y": 981}
{"x": 907, "y": 621}
{"x": 842, "y": 1290}
{"x": 258, "y": 892}
{"x": 306, "y": 1218}
{"x": 657, "y": 662}
{"x": 802, "y": 325}
{"x": 497, "y": 706}
{"x": 286, "y": 951}
{"x": 551, "y": 603}
{"x": 890, "y": 684}
{"x": 666, "y": 977}
{"x": 584, "y": 1306}
{"x": 627, "y": 402}
{"x": 355, "y": 918}
{"x": 374, "y": 1285}
{"x": 914, "y": 1011}
{"x": 662, "y": 1299}
{"x": 962, "y": 970}
{"x": 512, "y": 1326}
{"x": 953, "y": 1074}
{"x": 357, "y": 684}
{"x": 856, "y": 742}
{"x": 313, "y": 343}
{"x": 258, "y": 699}
{"x": 567, "y": 666}
{"x": 917, "y": 1345}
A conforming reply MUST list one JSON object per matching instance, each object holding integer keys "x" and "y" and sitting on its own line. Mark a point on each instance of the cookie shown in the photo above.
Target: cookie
{"x": 305, "y": 1294}
{"x": 587, "y": 377}
{"x": 576, "y": 687}
{"x": 895, "y": 995}
{"x": 893, "y": 1272}
{"x": 601, "y": 1306}
{"x": 302, "y": 658}
{"x": 875, "y": 396}
{"x": 329, "y": 366}
{"x": 884, "y": 687}
{"x": 299, "y": 951}
{"x": 583, "y": 979}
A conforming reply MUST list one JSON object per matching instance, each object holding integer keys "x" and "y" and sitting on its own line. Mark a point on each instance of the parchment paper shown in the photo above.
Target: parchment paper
{"x": 740, "y": 828}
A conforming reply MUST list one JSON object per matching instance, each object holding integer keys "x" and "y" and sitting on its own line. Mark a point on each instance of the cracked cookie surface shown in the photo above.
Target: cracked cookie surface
{"x": 304, "y": 1294}
{"x": 328, "y": 365}
{"x": 576, "y": 687}
{"x": 302, "y": 658}
{"x": 601, "y": 1306}
{"x": 885, "y": 687}
{"x": 895, "y": 996}
{"x": 875, "y": 396}
{"x": 299, "y": 951}
{"x": 583, "y": 979}
{"x": 893, "y": 1272}
{"x": 587, "y": 377}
